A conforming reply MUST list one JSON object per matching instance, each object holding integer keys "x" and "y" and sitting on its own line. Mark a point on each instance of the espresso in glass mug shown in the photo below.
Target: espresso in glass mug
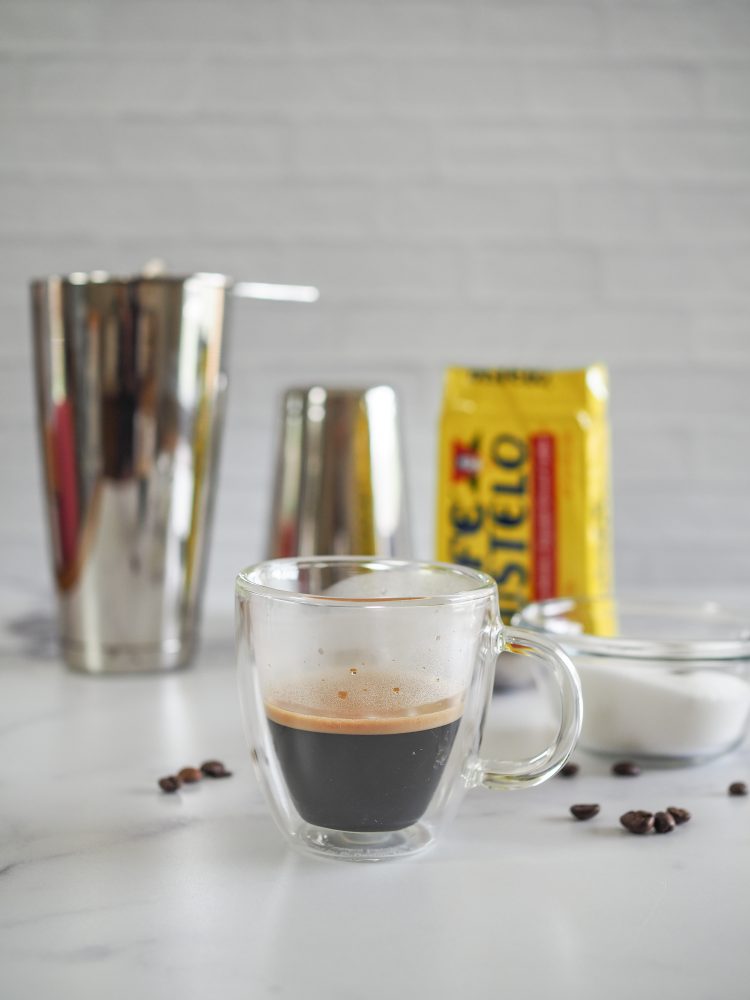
{"x": 364, "y": 684}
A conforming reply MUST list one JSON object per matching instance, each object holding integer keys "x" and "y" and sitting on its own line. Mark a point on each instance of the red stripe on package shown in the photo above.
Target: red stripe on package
{"x": 544, "y": 516}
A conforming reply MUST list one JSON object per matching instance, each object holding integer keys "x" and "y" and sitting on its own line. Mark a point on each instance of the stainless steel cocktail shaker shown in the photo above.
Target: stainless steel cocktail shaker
{"x": 130, "y": 380}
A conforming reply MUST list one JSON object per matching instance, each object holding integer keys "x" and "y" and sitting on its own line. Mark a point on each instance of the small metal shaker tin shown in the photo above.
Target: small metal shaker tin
{"x": 340, "y": 485}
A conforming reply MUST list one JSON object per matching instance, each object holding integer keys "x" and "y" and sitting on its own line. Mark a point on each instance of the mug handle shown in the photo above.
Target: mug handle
{"x": 535, "y": 770}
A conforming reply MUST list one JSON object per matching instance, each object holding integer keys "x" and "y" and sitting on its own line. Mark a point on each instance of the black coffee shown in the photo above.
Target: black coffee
{"x": 363, "y": 774}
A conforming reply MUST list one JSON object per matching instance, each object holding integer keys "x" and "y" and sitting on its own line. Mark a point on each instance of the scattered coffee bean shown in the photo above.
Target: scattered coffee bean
{"x": 638, "y": 821}
{"x": 664, "y": 822}
{"x": 569, "y": 770}
{"x": 585, "y": 811}
{"x": 678, "y": 815}
{"x": 189, "y": 775}
{"x": 626, "y": 769}
{"x": 215, "y": 769}
{"x": 738, "y": 788}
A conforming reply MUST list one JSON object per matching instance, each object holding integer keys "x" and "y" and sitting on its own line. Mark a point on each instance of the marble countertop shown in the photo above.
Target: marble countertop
{"x": 110, "y": 888}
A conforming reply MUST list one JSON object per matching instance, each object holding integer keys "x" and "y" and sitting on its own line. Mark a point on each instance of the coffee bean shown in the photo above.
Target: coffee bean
{"x": 638, "y": 821}
{"x": 215, "y": 769}
{"x": 626, "y": 769}
{"x": 585, "y": 811}
{"x": 189, "y": 775}
{"x": 738, "y": 788}
{"x": 569, "y": 770}
{"x": 678, "y": 815}
{"x": 169, "y": 784}
{"x": 664, "y": 822}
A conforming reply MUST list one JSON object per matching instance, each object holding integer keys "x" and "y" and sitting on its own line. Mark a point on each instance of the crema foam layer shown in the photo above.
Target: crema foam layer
{"x": 358, "y": 701}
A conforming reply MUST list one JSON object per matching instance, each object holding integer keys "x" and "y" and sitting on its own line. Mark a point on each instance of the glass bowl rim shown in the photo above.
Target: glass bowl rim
{"x": 538, "y": 615}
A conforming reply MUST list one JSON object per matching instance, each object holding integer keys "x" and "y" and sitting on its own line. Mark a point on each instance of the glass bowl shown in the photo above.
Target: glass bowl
{"x": 664, "y": 680}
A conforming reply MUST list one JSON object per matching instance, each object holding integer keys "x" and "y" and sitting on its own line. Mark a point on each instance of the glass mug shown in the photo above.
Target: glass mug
{"x": 364, "y": 684}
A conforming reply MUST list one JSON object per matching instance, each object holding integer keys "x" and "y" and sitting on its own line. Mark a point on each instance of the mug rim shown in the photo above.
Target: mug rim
{"x": 484, "y": 585}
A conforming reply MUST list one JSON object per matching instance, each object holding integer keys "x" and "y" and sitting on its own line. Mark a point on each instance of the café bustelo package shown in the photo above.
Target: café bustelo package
{"x": 524, "y": 481}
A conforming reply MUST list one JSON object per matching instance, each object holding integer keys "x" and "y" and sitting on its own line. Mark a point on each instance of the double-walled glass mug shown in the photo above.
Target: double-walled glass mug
{"x": 364, "y": 685}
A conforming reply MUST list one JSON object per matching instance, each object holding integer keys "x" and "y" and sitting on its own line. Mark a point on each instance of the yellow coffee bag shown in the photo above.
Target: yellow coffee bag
{"x": 524, "y": 481}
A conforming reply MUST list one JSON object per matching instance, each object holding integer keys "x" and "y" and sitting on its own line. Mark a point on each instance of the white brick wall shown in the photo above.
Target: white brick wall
{"x": 489, "y": 182}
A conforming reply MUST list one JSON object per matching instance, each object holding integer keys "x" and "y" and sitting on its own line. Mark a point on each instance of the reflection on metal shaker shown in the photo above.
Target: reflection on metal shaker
{"x": 130, "y": 380}
{"x": 340, "y": 486}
